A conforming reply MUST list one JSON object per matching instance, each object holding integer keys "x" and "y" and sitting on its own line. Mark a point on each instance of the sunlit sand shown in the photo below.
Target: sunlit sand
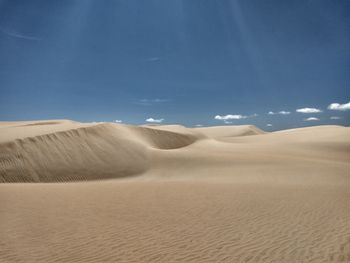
{"x": 120, "y": 193}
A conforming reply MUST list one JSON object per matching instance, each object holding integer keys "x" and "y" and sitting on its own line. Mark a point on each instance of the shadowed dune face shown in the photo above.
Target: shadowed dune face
{"x": 79, "y": 154}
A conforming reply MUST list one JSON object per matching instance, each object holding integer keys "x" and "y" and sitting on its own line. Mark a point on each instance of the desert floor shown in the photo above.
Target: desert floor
{"x": 104, "y": 192}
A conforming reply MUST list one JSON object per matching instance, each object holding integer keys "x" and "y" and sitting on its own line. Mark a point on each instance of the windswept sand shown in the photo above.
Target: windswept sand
{"x": 118, "y": 193}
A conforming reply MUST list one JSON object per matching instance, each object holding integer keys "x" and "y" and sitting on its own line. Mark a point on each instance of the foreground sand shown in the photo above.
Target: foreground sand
{"x": 173, "y": 194}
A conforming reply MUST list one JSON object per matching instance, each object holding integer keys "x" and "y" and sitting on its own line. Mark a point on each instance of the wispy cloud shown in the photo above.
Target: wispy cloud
{"x": 282, "y": 112}
{"x": 198, "y": 125}
{"x": 12, "y": 33}
{"x": 229, "y": 117}
{"x": 150, "y": 102}
{"x": 340, "y": 107}
{"x": 152, "y": 120}
{"x": 269, "y": 125}
{"x": 308, "y": 110}
{"x": 335, "y": 118}
{"x": 312, "y": 119}
{"x": 118, "y": 121}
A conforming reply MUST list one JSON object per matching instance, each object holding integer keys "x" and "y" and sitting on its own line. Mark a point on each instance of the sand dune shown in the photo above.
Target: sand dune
{"x": 174, "y": 194}
{"x": 66, "y": 151}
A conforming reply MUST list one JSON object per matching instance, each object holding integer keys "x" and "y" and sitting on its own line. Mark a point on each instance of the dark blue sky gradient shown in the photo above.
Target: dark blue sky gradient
{"x": 182, "y": 60}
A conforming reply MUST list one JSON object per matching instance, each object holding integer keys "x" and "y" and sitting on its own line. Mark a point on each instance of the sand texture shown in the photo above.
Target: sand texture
{"x": 104, "y": 192}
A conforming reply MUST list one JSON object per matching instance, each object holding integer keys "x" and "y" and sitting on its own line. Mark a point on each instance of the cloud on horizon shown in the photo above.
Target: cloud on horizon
{"x": 335, "y": 118}
{"x": 340, "y": 107}
{"x": 229, "y": 117}
{"x": 312, "y": 119}
{"x": 308, "y": 110}
{"x": 118, "y": 121}
{"x": 154, "y": 120}
{"x": 282, "y": 112}
{"x": 269, "y": 125}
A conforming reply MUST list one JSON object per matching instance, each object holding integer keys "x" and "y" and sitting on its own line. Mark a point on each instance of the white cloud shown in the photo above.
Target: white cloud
{"x": 269, "y": 125}
{"x": 312, "y": 119}
{"x": 199, "y": 125}
{"x": 341, "y": 107}
{"x": 229, "y": 117}
{"x": 118, "y": 121}
{"x": 154, "y": 120}
{"x": 308, "y": 110}
{"x": 228, "y": 122}
{"x": 282, "y": 112}
{"x": 335, "y": 118}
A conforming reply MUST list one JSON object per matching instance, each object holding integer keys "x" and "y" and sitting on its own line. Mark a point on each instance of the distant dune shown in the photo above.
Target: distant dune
{"x": 59, "y": 151}
{"x": 173, "y": 194}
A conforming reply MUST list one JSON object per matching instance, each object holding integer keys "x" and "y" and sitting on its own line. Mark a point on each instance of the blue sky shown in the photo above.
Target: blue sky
{"x": 190, "y": 62}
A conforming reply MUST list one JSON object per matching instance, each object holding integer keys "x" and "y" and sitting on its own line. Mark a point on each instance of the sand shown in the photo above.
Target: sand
{"x": 74, "y": 192}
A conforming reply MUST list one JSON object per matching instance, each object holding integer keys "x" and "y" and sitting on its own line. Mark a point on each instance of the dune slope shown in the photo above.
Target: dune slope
{"x": 71, "y": 152}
